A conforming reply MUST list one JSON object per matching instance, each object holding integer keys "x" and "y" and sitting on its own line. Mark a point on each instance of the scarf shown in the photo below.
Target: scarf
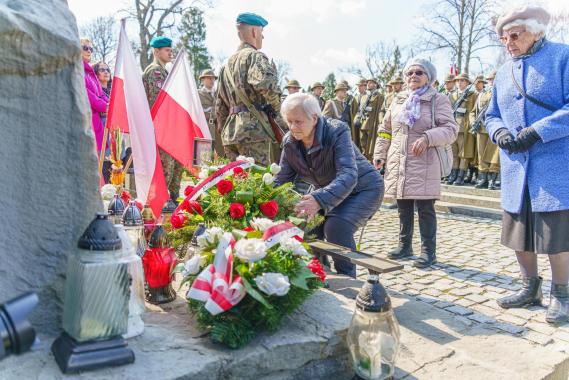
{"x": 412, "y": 107}
{"x": 534, "y": 49}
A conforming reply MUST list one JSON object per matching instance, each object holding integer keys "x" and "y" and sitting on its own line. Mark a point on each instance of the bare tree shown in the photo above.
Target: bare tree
{"x": 103, "y": 35}
{"x": 559, "y": 27}
{"x": 283, "y": 70}
{"x": 382, "y": 61}
{"x": 462, "y": 27}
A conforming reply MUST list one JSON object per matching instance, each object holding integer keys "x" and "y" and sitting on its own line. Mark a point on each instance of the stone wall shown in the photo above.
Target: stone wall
{"x": 48, "y": 163}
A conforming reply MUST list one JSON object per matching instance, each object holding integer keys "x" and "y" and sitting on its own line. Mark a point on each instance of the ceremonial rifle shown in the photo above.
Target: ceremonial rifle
{"x": 477, "y": 124}
{"x": 459, "y": 102}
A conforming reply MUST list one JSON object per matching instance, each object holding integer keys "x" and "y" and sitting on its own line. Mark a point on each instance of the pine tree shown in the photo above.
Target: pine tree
{"x": 329, "y": 85}
{"x": 193, "y": 33}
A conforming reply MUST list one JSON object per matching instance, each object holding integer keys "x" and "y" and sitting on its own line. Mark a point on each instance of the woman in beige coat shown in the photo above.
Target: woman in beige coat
{"x": 406, "y": 147}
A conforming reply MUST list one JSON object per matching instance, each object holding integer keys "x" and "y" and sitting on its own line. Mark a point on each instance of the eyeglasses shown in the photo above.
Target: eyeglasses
{"x": 87, "y": 48}
{"x": 514, "y": 36}
{"x": 417, "y": 73}
{"x": 107, "y": 70}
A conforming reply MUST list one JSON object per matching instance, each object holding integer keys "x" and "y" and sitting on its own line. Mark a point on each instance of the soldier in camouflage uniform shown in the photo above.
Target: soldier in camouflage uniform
{"x": 241, "y": 111}
{"x": 316, "y": 90}
{"x": 368, "y": 117}
{"x": 207, "y": 98}
{"x": 334, "y": 108}
{"x": 153, "y": 79}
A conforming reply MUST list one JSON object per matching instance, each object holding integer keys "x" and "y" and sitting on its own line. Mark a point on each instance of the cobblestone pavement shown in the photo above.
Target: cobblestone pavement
{"x": 473, "y": 270}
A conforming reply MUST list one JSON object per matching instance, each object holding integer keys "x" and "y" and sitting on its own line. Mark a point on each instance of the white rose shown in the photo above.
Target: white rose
{"x": 250, "y": 250}
{"x": 262, "y": 224}
{"x": 273, "y": 284}
{"x": 193, "y": 265}
{"x": 210, "y": 236}
{"x": 108, "y": 192}
{"x": 268, "y": 178}
{"x": 204, "y": 173}
{"x": 275, "y": 169}
{"x": 250, "y": 160}
{"x": 293, "y": 245}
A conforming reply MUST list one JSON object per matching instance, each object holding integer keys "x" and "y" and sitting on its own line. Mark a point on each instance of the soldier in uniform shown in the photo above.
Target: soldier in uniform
{"x": 368, "y": 117}
{"x": 336, "y": 108}
{"x": 292, "y": 86}
{"x": 488, "y": 153}
{"x": 396, "y": 85}
{"x": 317, "y": 89}
{"x": 463, "y": 101}
{"x": 207, "y": 98}
{"x": 153, "y": 79}
{"x": 450, "y": 85}
{"x": 361, "y": 86}
{"x": 248, "y": 91}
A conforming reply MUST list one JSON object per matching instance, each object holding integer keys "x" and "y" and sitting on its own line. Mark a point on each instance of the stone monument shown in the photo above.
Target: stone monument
{"x": 48, "y": 161}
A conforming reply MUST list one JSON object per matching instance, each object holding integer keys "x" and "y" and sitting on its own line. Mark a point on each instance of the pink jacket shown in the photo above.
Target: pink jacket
{"x": 98, "y": 101}
{"x": 408, "y": 176}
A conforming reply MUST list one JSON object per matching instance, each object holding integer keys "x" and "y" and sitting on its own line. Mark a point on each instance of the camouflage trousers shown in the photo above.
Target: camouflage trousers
{"x": 260, "y": 151}
{"x": 172, "y": 173}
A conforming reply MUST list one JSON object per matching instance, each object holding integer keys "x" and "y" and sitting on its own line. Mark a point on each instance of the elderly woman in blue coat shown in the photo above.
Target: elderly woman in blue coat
{"x": 320, "y": 151}
{"x": 528, "y": 118}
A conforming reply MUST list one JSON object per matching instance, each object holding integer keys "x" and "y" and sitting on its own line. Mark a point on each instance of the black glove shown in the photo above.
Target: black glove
{"x": 525, "y": 140}
{"x": 505, "y": 139}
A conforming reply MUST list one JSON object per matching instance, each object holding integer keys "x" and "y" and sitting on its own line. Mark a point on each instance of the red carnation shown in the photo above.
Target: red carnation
{"x": 224, "y": 186}
{"x": 125, "y": 196}
{"x": 196, "y": 207}
{"x": 317, "y": 269}
{"x": 177, "y": 220}
{"x": 248, "y": 229}
{"x": 192, "y": 207}
{"x": 188, "y": 190}
{"x": 239, "y": 172}
{"x": 269, "y": 209}
{"x": 298, "y": 238}
{"x": 236, "y": 210}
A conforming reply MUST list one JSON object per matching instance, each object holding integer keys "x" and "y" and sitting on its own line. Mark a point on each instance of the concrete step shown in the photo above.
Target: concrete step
{"x": 475, "y": 211}
{"x": 470, "y": 190}
{"x": 471, "y": 200}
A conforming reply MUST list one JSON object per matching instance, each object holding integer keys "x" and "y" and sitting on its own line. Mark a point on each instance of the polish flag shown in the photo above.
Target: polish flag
{"x": 129, "y": 111}
{"x": 178, "y": 114}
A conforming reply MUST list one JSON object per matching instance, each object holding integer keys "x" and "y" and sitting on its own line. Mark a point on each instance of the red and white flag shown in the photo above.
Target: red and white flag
{"x": 178, "y": 114}
{"x": 129, "y": 111}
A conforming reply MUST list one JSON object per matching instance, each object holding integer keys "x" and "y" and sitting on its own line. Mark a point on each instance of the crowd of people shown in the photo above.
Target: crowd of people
{"x": 356, "y": 147}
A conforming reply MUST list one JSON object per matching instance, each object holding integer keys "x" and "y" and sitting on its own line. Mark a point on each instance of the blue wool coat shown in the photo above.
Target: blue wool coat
{"x": 545, "y": 167}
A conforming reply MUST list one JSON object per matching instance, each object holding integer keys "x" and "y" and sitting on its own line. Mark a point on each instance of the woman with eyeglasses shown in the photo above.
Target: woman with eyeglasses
{"x": 97, "y": 97}
{"x": 104, "y": 75}
{"x": 528, "y": 118}
{"x": 405, "y": 146}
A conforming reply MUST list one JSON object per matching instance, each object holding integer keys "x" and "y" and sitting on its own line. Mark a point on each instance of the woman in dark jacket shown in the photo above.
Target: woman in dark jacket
{"x": 320, "y": 151}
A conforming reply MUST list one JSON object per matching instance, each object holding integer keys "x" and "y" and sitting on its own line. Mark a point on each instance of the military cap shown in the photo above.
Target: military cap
{"x": 293, "y": 83}
{"x": 527, "y": 12}
{"x": 341, "y": 86}
{"x": 316, "y": 85}
{"x": 492, "y": 75}
{"x": 390, "y": 83}
{"x": 362, "y": 82}
{"x": 160, "y": 42}
{"x": 480, "y": 78}
{"x": 463, "y": 76}
{"x": 450, "y": 78}
{"x": 396, "y": 80}
{"x": 345, "y": 83}
{"x": 208, "y": 73}
{"x": 372, "y": 80}
{"x": 251, "y": 19}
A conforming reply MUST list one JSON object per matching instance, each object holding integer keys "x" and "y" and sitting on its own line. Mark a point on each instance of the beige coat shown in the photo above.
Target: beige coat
{"x": 408, "y": 176}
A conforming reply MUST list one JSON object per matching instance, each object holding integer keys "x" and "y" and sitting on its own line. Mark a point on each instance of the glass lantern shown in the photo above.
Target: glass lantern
{"x": 159, "y": 260}
{"x": 193, "y": 245}
{"x": 134, "y": 227}
{"x": 373, "y": 336}
{"x": 149, "y": 221}
{"x": 168, "y": 209}
{"x": 116, "y": 209}
{"x": 136, "y": 305}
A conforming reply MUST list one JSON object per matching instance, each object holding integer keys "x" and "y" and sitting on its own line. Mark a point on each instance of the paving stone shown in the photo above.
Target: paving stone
{"x": 509, "y": 328}
{"x": 476, "y": 298}
{"x": 481, "y": 318}
{"x": 541, "y": 328}
{"x": 562, "y": 335}
{"x": 464, "y": 302}
{"x": 538, "y": 338}
{"x": 460, "y": 292}
{"x": 511, "y": 319}
{"x": 459, "y": 310}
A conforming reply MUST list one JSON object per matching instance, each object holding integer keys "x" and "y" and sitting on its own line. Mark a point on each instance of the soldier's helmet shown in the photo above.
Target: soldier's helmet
{"x": 464, "y": 76}
{"x": 293, "y": 83}
{"x": 208, "y": 74}
{"x": 345, "y": 83}
{"x": 341, "y": 86}
{"x": 397, "y": 80}
{"x": 480, "y": 78}
{"x": 372, "y": 79}
{"x": 316, "y": 85}
{"x": 450, "y": 78}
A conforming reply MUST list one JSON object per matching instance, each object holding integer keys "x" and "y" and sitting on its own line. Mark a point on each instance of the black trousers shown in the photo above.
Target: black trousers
{"x": 427, "y": 223}
{"x": 338, "y": 231}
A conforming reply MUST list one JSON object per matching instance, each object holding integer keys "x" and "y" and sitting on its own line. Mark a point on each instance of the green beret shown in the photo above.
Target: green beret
{"x": 251, "y": 19}
{"x": 160, "y": 42}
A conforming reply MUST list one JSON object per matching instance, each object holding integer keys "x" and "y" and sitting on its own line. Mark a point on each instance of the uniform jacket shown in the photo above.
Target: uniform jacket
{"x": 98, "y": 101}
{"x": 153, "y": 79}
{"x": 482, "y": 100}
{"x": 545, "y": 167}
{"x": 252, "y": 72}
{"x": 408, "y": 176}
{"x": 333, "y": 108}
{"x": 207, "y": 99}
{"x": 372, "y": 110}
{"x": 464, "y": 110}
{"x": 333, "y": 165}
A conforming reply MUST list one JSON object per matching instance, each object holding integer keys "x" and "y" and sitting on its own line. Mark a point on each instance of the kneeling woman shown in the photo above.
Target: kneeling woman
{"x": 320, "y": 151}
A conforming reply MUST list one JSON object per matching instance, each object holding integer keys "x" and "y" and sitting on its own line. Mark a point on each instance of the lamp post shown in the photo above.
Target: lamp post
{"x": 158, "y": 261}
{"x": 373, "y": 336}
{"x": 95, "y": 312}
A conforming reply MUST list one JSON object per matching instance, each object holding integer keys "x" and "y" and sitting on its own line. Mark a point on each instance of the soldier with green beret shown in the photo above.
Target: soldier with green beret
{"x": 316, "y": 90}
{"x": 248, "y": 92}
{"x": 207, "y": 98}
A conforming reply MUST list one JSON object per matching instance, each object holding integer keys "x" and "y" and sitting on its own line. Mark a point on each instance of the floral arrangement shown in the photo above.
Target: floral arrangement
{"x": 117, "y": 174}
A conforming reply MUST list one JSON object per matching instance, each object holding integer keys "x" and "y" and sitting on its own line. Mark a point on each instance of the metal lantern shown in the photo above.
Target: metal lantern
{"x": 136, "y": 305}
{"x": 168, "y": 209}
{"x": 95, "y": 313}
{"x": 193, "y": 246}
{"x": 134, "y": 227}
{"x": 116, "y": 209}
{"x": 158, "y": 261}
{"x": 373, "y": 337}
{"x": 149, "y": 221}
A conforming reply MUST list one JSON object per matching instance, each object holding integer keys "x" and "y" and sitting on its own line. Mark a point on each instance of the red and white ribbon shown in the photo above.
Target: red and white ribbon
{"x": 213, "y": 179}
{"x": 276, "y": 233}
{"x": 215, "y": 285}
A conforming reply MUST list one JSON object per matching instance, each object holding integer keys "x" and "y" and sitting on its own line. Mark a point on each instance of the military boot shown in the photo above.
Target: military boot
{"x": 460, "y": 178}
{"x": 530, "y": 294}
{"x": 492, "y": 181}
{"x": 558, "y": 310}
{"x": 498, "y": 182}
{"x": 452, "y": 177}
{"x": 482, "y": 182}
{"x": 468, "y": 176}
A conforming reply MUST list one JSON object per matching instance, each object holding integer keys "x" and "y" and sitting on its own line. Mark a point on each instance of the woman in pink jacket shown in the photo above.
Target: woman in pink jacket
{"x": 97, "y": 98}
{"x": 406, "y": 147}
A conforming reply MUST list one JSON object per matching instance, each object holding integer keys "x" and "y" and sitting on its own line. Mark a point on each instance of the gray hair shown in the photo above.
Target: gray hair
{"x": 308, "y": 103}
{"x": 533, "y": 26}
{"x": 426, "y": 65}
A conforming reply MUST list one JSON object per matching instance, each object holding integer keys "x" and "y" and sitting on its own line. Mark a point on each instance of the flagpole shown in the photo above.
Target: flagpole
{"x": 103, "y": 149}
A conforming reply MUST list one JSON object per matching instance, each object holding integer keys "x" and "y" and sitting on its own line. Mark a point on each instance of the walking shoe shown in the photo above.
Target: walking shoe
{"x": 400, "y": 252}
{"x": 529, "y": 294}
{"x": 558, "y": 310}
{"x": 425, "y": 260}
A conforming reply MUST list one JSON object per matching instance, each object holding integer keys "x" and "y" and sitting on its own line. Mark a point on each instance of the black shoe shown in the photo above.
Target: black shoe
{"x": 558, "y": 310}
{"x": 400, "y": 253}
{"x": 482, "y": 182}
{"x": 460, "y": 178}
{"x": 469, "y": 175}
{"x": 425, "y": 260}
{"x": 530, "y": 294}
{"x": 452, "y": 177}
{"x": 493, "y": 181}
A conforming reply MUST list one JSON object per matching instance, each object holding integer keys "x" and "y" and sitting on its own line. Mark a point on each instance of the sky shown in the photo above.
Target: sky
{"x": 315, "y": 37}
